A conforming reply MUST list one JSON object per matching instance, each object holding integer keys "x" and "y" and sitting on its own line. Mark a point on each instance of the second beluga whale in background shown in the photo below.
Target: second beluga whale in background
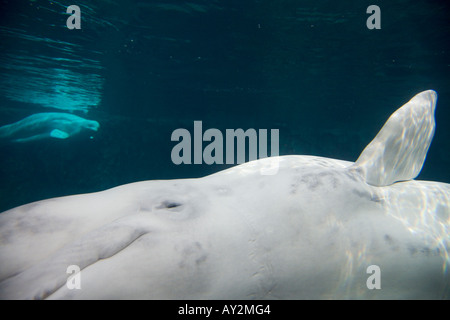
{"x": 46, "y": 125}
{"x": 317, "y": 228}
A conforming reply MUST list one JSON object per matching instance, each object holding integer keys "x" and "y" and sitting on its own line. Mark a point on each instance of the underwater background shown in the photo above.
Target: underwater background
{"x": 142, "y": 69}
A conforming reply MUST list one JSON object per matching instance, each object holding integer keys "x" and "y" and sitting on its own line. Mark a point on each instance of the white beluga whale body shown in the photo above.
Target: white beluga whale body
{"x": 47, "y": 125}
{"x": 314, "y": 229}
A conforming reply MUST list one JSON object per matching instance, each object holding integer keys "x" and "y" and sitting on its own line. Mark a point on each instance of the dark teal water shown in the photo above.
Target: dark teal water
{"x": 142, "y": 69}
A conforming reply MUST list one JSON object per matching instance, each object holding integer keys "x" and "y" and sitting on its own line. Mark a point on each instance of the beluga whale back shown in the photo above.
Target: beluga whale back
{"x": 317, "y": 228}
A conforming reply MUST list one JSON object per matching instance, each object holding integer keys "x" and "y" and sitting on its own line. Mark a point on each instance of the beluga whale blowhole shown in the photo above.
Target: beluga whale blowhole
{"x": 319, "y": 228}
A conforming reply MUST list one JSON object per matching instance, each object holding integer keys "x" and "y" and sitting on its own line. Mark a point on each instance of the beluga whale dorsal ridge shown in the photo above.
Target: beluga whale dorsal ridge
{"x": 314, "y": 230}
{"x": 399, "y": 150}
{"x": 40, "y": 126}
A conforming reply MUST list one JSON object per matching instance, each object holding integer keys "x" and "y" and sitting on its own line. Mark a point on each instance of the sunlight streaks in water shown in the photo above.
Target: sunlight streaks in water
{"x": 50, "y": 73}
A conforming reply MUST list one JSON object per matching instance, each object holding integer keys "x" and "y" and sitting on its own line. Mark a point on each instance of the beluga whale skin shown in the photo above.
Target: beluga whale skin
{"x": 315, "y": 228}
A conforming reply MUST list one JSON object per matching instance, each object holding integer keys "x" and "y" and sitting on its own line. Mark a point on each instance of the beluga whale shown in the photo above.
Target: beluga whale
{"x": 40, "y": 126}
{"x": 315, "y": 228}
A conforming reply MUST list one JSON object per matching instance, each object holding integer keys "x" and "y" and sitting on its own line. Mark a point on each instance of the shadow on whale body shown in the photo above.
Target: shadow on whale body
{"x": 313, "y": 230}
{"x": 46, "y": 125}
